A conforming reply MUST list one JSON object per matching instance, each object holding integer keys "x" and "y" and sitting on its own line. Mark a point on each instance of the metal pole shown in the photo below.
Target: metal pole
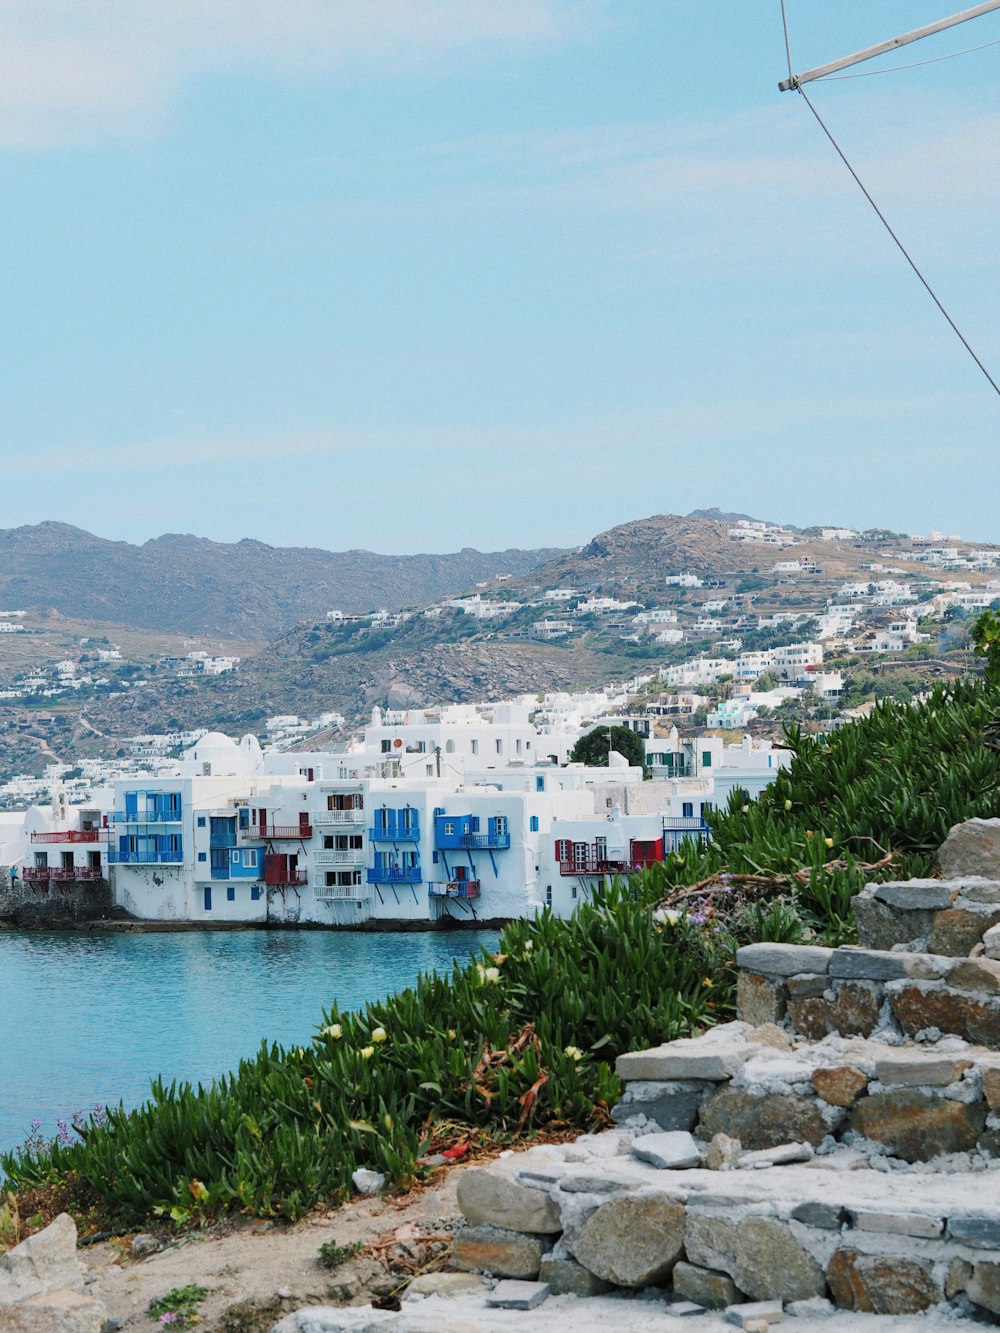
{"x": 796, "y": 80}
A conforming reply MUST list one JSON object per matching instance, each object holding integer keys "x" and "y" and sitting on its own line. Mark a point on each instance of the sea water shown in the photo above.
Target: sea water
{"x": 89, "y": 1019}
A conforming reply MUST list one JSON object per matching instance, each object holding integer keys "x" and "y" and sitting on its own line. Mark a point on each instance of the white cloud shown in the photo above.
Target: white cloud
{"x": 72, "y": 71}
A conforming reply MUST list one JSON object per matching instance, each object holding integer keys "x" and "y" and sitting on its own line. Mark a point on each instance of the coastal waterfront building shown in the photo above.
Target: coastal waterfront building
{"x": 471, "y": 812}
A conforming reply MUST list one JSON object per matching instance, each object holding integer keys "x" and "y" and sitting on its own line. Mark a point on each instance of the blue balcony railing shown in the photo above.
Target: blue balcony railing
{"x": 390, "y": 833}
{"x": 395, "y": 875}
{"x": 145, "y": 817}
{"x": 474, "y": 841}
{"x": 121, "y": 858}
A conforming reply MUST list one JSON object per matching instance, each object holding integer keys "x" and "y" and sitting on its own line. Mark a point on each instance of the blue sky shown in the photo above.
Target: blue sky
{"x": 419, "y": 274}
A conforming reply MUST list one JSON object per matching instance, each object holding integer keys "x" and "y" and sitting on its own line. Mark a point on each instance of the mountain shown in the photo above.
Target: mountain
{"x": 243, "y": 590}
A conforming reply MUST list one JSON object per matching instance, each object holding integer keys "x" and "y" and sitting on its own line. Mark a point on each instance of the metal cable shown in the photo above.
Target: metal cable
{"x": 788, "y": 45}
{"x": 899, "y": 244}
{"x": 917, "y": 64}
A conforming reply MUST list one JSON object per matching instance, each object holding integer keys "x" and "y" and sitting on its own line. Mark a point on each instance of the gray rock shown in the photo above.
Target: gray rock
{"x": 489, "y": 1196}
{"x": 770, "y": 1264}
{"x": 668, "y": 1152}
{"x": 868, "y": 964}
{"x": 671, "y": 1105}
{"x": 881, "y": 1283}
{"x": 706, "y": 1286}
{"x": 723, "y": 1153}
{"x": 971, "y": 848}
{"x": 899, "y": 1224}
{"x": 881, "y": 925}
{"x": 600, "y": 1180}
{"x": 913, "y": 1067}
{"x": 783, "y": 1155}
{"x": 715, "y": 1059}
{"x": 808, "y": 985}
{"x": 914, "y": 895}
{"x": 44, "y": 1262}
{"x": 443, "y": 1284}
{"x": 511, "y": 1295}
{"x": 916, "y": 1125}
{"x": 683, "y": 1309}
{"x": 981, "y": 976}
{"x": 502, "y": 1253}
{"x": 783, "y": 960}
{"x": 763, "y": 1122}
{"x": 991, "y": 942}
{"x": 958, "y": 930}
{"x": 328, "y": 1319}
{"x": 143, "y": 1244}
{"x": 980, "y": 1233}
{"x": 984, "y": 1286}
{"x": 367, "y": 1182}
{"x": 825, "y": 1216}
{"x": 759, "y": 1312}
{"x": 759, "y": 1000}
{"x": 634, "y": 1240}
{"x": 565, "y": 1277}
{"x": 54, "y": 1312}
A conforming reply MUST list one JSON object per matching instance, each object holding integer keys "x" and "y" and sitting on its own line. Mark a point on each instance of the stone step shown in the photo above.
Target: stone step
{"x": 939, "y": 916}
{"x": 797, "y": 1233}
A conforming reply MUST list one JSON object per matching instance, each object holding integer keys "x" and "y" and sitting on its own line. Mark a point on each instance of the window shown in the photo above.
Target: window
{"x": 474, "y": 746}
{"x": 548, "y": 895}
{"x": 449, "y": 828}
{"x": 562, "y": 849}
{"x": 499, "y": 747}
{"x": 539, "y": 784}
{"x": 706, "y": 758}
{"x": 474, "y": 824}
{"x": 572, "y": 893}
{"x": 230, "y": 894}
{"x": 208, "y": 897}
{"x": 202, "y": 856}
{"x": 201, "y": 821}
{"x": 430, "y": 770}
{"x": 517, "y": 746}
{"x": 386, "y": 747}
{"x": 687, "y": 810}
{"x": 254, "y": 893}
{"x": 533, "y": 824}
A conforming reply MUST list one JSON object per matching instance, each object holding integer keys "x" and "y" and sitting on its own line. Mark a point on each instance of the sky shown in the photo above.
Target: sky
{"x": 413, "y": 275}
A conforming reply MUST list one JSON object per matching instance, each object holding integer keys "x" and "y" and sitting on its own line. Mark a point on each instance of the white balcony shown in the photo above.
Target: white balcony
{"x": 335, "y": 893}
{"x": 354, "y": 857}
{"x": 322, "y": 817}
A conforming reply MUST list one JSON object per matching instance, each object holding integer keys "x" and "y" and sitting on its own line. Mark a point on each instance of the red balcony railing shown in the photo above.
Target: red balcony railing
{"x": 279, "y": 879}
{"x": 455, "y": 888}
{"x": 62, "y": 874}
{"x": 74, "y": 835}
{"x": 590, "y": 864}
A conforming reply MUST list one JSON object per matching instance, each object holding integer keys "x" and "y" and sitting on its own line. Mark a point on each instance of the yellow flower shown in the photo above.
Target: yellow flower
{"x": 452, "y": 1034}
{"x": 828, "y": 841}
{"x": 788, "y": 805}
{"x": 482, "y": 971}
{"x": 573, "y": 1052}
{"x": 378, "y": 1034}
{"x": 706, "y": 981}
{"x": 367, "y": 1052}
{"x": 334, "y": 1030}
{"x": 491, "y": 974}
{"x": 528, "y": 946}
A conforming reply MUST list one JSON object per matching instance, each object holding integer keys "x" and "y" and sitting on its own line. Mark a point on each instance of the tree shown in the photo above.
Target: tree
{"x": 986, "y": 637}
{"x": 593, "y": 748}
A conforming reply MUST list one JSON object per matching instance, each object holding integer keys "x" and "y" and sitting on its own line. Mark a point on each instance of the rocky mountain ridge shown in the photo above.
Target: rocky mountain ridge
{"x": 243, "y": 589}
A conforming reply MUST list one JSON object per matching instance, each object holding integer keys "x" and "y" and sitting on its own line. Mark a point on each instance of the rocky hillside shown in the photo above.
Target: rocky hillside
{"x": 244, "y": 589}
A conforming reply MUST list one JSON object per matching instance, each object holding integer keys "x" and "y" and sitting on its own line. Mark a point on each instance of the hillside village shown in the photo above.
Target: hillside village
{"x": 721, "y": 622}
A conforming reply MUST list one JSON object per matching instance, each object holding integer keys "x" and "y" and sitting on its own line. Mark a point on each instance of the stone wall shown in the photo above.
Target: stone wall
{"x": 53, "y": 907}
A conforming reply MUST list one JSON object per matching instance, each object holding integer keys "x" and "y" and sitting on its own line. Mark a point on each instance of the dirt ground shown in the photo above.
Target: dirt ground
{"x": 257, "y": 1271}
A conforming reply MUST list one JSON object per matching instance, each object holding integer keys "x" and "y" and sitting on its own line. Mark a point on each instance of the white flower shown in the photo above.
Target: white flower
{"x": 334, "y": 1030}
{"x": 378, "y": 1034}
{"x": 788, "y": 805}
{"x": 573, "y": 1052}
{"x": 666, "y": 916}
{"x": 491, "y": 974}
{"x": 367, "y": 1052}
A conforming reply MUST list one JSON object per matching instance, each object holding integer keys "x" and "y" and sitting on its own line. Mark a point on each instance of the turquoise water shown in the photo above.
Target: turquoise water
{"x": 88, "y": 1019}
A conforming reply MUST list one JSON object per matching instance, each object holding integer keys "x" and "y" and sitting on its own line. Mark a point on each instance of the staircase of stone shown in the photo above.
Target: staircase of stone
{"x": 838, "y": 1146}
